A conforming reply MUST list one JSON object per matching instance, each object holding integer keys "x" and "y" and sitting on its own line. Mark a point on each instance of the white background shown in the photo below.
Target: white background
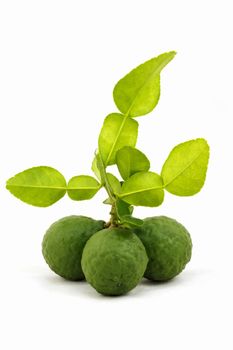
{"x": 59, "y": 62}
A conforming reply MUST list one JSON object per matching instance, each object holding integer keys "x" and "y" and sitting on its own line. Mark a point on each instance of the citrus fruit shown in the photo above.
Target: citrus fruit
{"x": 63, "y": 244}
{"x": 168, "y": 246}
{"x": 114, "y": 261}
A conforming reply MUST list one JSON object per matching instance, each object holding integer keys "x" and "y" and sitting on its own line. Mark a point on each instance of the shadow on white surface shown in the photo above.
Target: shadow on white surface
{"x": 185, "y": 279}
{"x": 56, "y": 284}
{"x": 59, "y": 285}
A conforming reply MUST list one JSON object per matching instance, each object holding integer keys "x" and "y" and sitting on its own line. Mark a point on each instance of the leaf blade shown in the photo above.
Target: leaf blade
{"x": 117, "y": 131}
{"x": 40, "y": 186}
{"x": 131, "y": 220}
{"x": 124, "y": 212}
{"x": 138, "y": 92}
{"x": 114, "y": 183}
{"x": 123, "y": 208}
{"x": 82, "y": 187}
{"x": 184, "y": 171}
{"x": 144, "y": 189}
{"x": 130, "y": 161}
{"x": 95, "y": 169}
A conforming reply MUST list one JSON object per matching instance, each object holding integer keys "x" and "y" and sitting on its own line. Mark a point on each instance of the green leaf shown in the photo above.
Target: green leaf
{"x": 139, "y": 91}
{"x": 131, "y": 161}
{"x": 131, "y": 220}
{"x": 145, "y": 189}
{"x": 82, "y": 187}
{"x": 124, "y": 212}
{"x": 114, "y": 183}
{"x": 123, "y": 208}
{"x": 95, "y": 168}
{"x": 117, "y": 131}
{"x": 108, "y": 201}
{"x": 184, "y": 171}
{"x": 40, "y": 186}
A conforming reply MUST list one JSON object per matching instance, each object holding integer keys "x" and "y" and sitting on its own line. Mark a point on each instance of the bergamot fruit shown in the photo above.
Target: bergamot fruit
{"x": 63, "y": 244}
{"x": 168, "y": 246}
{"x": 114, "y": 261}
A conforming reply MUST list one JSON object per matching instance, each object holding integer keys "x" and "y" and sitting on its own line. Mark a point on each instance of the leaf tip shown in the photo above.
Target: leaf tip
{"x": 203, "y": 140}
{"x": 173, "y": 53}
{"x": 8, "y": 183}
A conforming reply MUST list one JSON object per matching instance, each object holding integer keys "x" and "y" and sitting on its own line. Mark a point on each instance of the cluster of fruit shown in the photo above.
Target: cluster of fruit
{"x": 114, "y": 260}
{"x": 114, "y": 256}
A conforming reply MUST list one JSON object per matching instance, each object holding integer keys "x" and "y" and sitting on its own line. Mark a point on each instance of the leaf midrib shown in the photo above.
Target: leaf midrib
{"x": 54, "y": 187}
{"x": 117, "y": 137}
{"x": 83, "y": 188}
{"x": 140, "y": 191}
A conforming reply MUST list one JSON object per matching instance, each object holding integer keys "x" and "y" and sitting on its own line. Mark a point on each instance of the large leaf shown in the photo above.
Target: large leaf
{"x": 145, "y": 189}
{"x": 118, "y": 131}
{"x": 40, "y": 186}
{"x": 130, "y": 161}
{"x": 138, "y": 92}
{"x": 184, "y": 171}
{"x": 82, "y": 187}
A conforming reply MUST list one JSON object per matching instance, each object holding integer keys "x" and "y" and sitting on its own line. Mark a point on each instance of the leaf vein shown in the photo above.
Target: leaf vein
{"x": 140, "y": 191}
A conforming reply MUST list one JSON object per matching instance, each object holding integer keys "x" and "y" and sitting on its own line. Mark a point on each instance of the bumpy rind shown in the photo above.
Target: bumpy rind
{"x": 63, "y": 244}
{"x": 114, "y": 261}
{"x": 168, "y": 245}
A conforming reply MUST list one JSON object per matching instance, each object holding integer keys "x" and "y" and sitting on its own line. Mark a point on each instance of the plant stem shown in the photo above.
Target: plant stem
{"x": 104, "y": 179}
{"x": 114, "y": 217}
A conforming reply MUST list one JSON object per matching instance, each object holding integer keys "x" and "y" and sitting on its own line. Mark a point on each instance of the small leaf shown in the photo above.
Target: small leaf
{"x": 82, "y": 187}
{"x": 117, "y": 131}
{"x": 138, "y": 92}
{"x": 145, "y": 189}
{"x": 114, "y": 183}
{"x": 131, "y": 161}
{"x": 95, "y": 168}
{"x": 184, "y": 171}
{"x": 108, "y": 201}
{"x": 123, "y": 208}
{"x": 41, "y": 186}
{"x": 132, "y": 221}
{"x": 124, "y": 212}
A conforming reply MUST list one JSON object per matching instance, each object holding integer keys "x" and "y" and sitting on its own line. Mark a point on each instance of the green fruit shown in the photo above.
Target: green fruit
{"x": 114, "y": 261}
{"x": 63, "y": 244}
{"x": 168, "y": 246}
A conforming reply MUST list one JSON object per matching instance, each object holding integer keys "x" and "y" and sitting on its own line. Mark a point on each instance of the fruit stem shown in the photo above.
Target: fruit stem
{"x": 114, "y": 217}
{"x": 105, "y": 183}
